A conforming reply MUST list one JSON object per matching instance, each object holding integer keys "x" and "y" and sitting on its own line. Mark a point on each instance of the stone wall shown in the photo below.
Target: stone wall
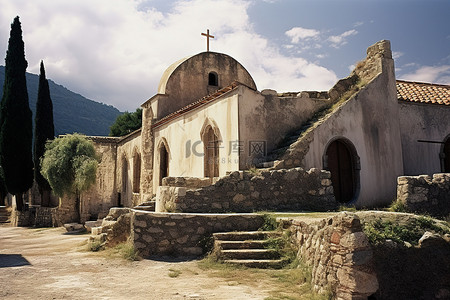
{"x": 425, "y": 194}
{"x": 37, "y": 217}
{"x": 339, "y": 254}
{"x": 181, "y": 234}
{"x": 246, "y": 191}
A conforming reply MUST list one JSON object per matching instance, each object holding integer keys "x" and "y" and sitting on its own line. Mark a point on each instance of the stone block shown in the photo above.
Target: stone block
{"x": 74, "y": 227}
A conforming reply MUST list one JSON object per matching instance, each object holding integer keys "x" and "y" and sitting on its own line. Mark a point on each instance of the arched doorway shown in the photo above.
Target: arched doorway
{"x": 163, "y": 162}
{"x": 211, "y": 150}
{"x": 341, "y": 161}
{"x": 136, "y": 172}
{"x": 446, "y": 156}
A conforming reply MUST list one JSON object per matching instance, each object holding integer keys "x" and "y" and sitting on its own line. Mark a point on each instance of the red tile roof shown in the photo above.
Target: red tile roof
{"x": 203, "y": 101}
{"x": 421, "y": 92}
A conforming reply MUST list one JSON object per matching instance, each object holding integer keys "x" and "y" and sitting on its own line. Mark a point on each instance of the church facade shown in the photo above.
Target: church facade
{"x": 209, "y": 119}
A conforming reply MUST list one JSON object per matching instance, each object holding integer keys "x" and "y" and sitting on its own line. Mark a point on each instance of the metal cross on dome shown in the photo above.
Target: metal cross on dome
{"x": 207, "y": 38}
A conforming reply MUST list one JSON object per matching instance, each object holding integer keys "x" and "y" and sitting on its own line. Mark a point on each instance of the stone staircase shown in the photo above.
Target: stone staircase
{"x": 250, "y": 249}
{"x": 5, "y": 215}
{"x": 147, "y": 206}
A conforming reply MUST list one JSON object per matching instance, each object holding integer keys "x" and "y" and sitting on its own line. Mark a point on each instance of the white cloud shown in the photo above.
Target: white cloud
{"x": 116, "y": 54}
{"x": 339, "y": 40}
{"x": 434, "y": 74}
{"x": 298, "y": 33}
{"x": 396, "y": 54}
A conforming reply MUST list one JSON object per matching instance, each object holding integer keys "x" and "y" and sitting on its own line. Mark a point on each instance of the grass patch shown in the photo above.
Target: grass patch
{"x": 397, "y": 206}
{"x": 124, "y": 250}
{"x": 292, "y": 282}
{"x": 174, "y": 273}
{"x": 347, "y": 208}
{"x": 95, "y": 246}
{"x": 379, "y": 231}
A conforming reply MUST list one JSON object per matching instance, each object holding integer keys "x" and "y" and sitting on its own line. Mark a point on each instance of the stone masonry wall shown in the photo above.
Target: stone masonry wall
{"x": 244, "y": 191}
{"x": 339, "y": 254}
{"x": 425, "y": 194}
{"x": 181, "y": 234}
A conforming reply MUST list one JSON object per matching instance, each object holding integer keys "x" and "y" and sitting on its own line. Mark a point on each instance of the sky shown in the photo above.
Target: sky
{"x": 115, "y": 51}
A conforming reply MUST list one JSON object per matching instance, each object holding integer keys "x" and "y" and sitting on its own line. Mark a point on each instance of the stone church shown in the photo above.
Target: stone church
{"x": 209, "y": 120}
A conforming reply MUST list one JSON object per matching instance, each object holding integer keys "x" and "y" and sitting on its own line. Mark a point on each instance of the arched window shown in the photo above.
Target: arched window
{"x": 445, "y": 155}
{"x": 136, "y": 172}
{"x": 211, "y": 145}
{"x": 163, "y": 162}
{"x": 343, "y": 163}
{"x": 213, "y": 79}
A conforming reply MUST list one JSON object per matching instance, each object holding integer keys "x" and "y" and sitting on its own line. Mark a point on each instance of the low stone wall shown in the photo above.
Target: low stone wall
{"x": 339, "y": 254}
{"x": 245, "y": 191}
{"x": 181, "y": 234}
{"x": 425, "y": 194}
{"x": 36, "y": 216}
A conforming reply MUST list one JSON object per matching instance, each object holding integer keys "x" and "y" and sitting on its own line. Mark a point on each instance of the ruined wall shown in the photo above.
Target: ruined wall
{"x": 427, "y": 122}
{"x": 425, "y": 194}
{"x": 96, "y": 202}
{"x": 368, "y": 121}
{"x": 267, "y": 117}
{"x": 184, "y": 234}
{"x": 244, "y": 191}
{"x": 339, "y": 254}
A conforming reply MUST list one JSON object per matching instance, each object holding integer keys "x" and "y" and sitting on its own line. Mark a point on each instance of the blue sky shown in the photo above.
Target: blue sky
{"x": 116, "y": 53}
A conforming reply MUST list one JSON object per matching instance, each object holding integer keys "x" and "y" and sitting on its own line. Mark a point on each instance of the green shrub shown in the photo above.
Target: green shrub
{"x": 95, "y": 246}
{"x": 270, "y": 223}
{"x": 379, "y": 231}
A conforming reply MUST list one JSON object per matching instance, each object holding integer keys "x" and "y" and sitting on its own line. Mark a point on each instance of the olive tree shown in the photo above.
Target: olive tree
{"x": 69, "y": 165}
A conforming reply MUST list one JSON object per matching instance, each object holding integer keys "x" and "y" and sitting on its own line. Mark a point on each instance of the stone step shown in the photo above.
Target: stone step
{"x": 147, "y": 206}
{"x": 226, "y": 245}
{"x": 258, "y": 263}
{"x": 245, "y": 235}
{"x": 239, "y": 254}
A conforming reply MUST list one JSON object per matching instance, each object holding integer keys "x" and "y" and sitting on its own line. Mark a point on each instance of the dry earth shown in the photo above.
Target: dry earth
{"x": 48, "y": 263}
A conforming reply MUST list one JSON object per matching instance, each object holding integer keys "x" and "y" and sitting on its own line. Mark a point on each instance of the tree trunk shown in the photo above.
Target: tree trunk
{"x": 19, "y": 202}
{"x": 78, "y": 206}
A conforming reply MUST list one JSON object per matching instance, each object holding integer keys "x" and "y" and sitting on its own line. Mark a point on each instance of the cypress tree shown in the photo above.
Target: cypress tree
{"x": 16, "y": 120}
{"x": 44, "y": 130}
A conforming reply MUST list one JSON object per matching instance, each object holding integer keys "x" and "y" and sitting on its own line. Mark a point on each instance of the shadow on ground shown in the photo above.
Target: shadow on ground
{"x": 13, "y": 260}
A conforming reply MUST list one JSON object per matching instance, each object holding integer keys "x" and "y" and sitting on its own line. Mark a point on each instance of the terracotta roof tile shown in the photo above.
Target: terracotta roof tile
{"x": 421, "y": 92}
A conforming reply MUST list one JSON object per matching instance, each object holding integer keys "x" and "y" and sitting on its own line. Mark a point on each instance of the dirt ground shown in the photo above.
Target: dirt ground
{"x": 49, "y": 263}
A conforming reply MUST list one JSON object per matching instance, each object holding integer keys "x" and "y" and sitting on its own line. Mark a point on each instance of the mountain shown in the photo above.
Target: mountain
{"x": 71, "y": 111}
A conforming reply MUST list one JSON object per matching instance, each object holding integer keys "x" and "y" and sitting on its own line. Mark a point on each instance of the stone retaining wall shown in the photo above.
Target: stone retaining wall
{"x": 339, "y": 254}
{"x": 425, "y": 194}
{"x": 245, "y": 191}
{"x": 181, "y": 234}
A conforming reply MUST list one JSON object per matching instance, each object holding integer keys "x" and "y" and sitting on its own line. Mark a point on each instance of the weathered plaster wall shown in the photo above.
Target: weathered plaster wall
{"x": 267, "y": 117}
{"x": 187, "y": 80}
{"x": 339, "y": 254}
{"x": 243, "y": 191}
{"x": 426, "y": 122}
{"x": 369, "y": 121}
{"x": 425, "y": 194}
{"x": 183, "y": 234}
{"x": 183, "y": 136}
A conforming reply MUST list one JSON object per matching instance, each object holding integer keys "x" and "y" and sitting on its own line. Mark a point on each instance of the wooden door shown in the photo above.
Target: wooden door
{"x": 341, "y": 166}
{"x": 447, "y": 156}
